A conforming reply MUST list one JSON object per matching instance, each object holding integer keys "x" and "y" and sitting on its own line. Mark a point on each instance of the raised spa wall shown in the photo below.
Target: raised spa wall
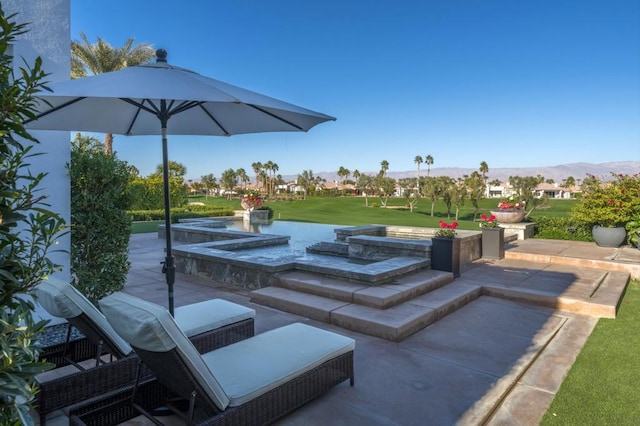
{"x": 382, "y": 253}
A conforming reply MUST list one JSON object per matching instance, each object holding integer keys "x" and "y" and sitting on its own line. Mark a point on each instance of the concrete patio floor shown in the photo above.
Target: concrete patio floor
{"x": 493, "y": 361}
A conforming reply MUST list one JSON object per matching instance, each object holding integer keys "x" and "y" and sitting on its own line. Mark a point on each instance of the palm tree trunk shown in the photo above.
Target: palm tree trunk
{"x": 108, "y": 143}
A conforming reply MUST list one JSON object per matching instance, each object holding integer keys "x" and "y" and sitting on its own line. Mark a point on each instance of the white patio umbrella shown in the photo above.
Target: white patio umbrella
{"x": 161, "y": 99}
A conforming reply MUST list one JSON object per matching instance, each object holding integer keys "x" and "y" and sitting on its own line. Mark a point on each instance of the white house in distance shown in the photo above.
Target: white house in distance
{"x": 551, "y": 190}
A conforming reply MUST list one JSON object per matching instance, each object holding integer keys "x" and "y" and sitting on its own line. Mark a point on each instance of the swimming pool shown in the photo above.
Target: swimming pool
{"x": 302, "y": 236}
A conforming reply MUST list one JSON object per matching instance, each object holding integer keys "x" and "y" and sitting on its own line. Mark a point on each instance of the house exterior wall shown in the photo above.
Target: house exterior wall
{"x": 49, "y": 38}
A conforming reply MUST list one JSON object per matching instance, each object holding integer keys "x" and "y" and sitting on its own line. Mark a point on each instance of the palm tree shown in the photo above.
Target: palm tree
{"x": 274, "y": 169}
{"x": 100, "y": 57}
{"x": 257, "y": 168}
{"x": 268, "y": 167}
{"x": 343, "y": 173}
{"x": 244, "y": 178}
{"x": 428, "y": 160}
{"x": 356, "y": 177}
{"x": 176, "y": 169}
{"x": 209, "y": 183}
{"x": 384, "y": 166}
{"x": 418, "y": 161}
{"x": 484, "y": 169}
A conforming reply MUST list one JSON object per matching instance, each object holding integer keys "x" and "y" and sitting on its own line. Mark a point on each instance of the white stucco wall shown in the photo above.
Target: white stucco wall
{"x": 49, "y": 38}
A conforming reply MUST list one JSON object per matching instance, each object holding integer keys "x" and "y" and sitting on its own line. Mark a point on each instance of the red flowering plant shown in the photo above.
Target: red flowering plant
{"x": 608, "y": 203}
{"x": 511, "y": 204}
{"x": 251, "y": 201}
{"x": 488, "y": 221}
{"x": 447, "y": 230}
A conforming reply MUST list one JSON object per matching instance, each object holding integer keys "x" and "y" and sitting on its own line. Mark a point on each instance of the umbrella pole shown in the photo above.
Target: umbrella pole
{"x": 168, "y": 267}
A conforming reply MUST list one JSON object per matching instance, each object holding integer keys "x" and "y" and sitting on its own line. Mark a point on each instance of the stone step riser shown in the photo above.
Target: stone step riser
{"x": 394, "y": 324}
{"x": 382, "y": 297}
{"x": 632, "y": 269}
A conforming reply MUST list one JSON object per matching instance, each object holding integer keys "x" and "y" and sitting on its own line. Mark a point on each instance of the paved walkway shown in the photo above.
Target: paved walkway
{"x": 493, "y": 361}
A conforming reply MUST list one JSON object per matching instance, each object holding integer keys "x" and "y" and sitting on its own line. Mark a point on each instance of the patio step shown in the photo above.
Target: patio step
{"x": 382, "y": 296}
{"x": 352, "y": 307}
{"x": 607, "y": 292}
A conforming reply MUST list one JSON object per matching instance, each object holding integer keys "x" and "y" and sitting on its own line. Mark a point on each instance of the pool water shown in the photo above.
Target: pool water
{"x": 302, "y": 236}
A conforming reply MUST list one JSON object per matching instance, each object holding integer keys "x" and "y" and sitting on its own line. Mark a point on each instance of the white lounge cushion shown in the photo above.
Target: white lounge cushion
{"x": 209, "y": 315}
{"x": 63, "y": 300}
{"x": 150, "y": 327}
{"x": 249, "y": 368}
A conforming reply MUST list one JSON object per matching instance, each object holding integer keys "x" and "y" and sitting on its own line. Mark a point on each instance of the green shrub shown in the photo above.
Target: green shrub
{"x": 100, "y": 224}
{"x": 177, "y": 214}
{"x": 28, "y": 231}
{"x": 562, "y": 228}
{"x": 148, "y": 193}
{"x": 608, "y": 203}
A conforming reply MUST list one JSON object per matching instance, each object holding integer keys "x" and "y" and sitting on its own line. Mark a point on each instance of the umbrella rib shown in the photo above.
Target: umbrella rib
{"x": 214, "y": 119}
{"x": 184, "y": 106}
{"x": 275, "y": 116}
{"x": 54, "y": 109}
{"x": 140, "y": 106}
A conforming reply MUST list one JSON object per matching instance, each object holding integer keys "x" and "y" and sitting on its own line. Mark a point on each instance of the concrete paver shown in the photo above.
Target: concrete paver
{"x": 491, "y": 360}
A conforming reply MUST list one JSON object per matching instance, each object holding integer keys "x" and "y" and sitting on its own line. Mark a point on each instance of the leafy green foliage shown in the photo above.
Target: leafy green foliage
{"x": 148, "y": 193}
{"x": 19, "y": 361}
{"x": 633, "y": 231}
{"x": 100, "y": 224}
{"x": 610, "y": 204}
{"x": 28, "y": 231}
{"x": 177, "y": 214}
{"x": 562, "y": 228}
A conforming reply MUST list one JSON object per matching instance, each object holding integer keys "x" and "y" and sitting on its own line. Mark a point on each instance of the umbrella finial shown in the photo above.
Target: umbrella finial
{"x": 161, "y": 55}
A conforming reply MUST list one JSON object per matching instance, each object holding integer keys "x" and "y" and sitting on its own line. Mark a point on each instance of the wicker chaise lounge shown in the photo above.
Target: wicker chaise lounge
{"x": 209, "y": 325}
{"x": 251, "y": 382}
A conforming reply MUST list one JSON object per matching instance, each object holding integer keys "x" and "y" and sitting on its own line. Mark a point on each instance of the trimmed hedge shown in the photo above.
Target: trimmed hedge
{"x": 562, "y": 228}
{"x": 181, "y": 213}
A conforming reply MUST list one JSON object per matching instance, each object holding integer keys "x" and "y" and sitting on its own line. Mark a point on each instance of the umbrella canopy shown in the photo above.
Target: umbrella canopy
{"x": 161, "y": 99}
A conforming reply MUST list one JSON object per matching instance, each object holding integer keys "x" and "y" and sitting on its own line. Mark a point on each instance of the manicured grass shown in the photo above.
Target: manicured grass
{"x": 352, "y": 211}
{"x": 602, "y": 385}
{"x": 145, "y": 227}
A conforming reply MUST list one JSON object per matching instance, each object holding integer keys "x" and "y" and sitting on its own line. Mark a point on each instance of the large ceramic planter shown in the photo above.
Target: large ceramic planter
{"x": 609, "y": 237}
{"x": 493, "y": 243}
{"x": 514, "y": 216}
{"x": 445, "y": 255}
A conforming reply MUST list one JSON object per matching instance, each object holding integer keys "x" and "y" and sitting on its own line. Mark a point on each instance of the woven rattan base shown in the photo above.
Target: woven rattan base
{"x": 116, "y": 376}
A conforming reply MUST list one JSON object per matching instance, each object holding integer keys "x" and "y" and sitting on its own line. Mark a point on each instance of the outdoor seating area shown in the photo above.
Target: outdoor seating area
{"x": 208, "y": 324}
{"x": 254, "y": 381}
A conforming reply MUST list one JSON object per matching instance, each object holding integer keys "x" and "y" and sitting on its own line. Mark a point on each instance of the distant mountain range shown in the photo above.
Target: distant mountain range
{"x": 557, "y": 173}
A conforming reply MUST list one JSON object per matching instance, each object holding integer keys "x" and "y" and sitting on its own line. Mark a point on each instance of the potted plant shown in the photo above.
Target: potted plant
{"x": 608, "y": 206}
{"x": 445, "y": 249}
{"x": 492, "y": 237}
{"x": 510, "y": 210}
{"x": 251, "y": 201}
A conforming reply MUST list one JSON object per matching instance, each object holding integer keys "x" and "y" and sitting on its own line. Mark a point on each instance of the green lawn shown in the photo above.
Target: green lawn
{"x": 602, "y": 387}
{"x": 352, "y": 211}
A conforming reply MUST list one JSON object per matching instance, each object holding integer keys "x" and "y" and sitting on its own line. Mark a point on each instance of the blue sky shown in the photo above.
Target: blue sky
{"x": 514, "y": 83}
